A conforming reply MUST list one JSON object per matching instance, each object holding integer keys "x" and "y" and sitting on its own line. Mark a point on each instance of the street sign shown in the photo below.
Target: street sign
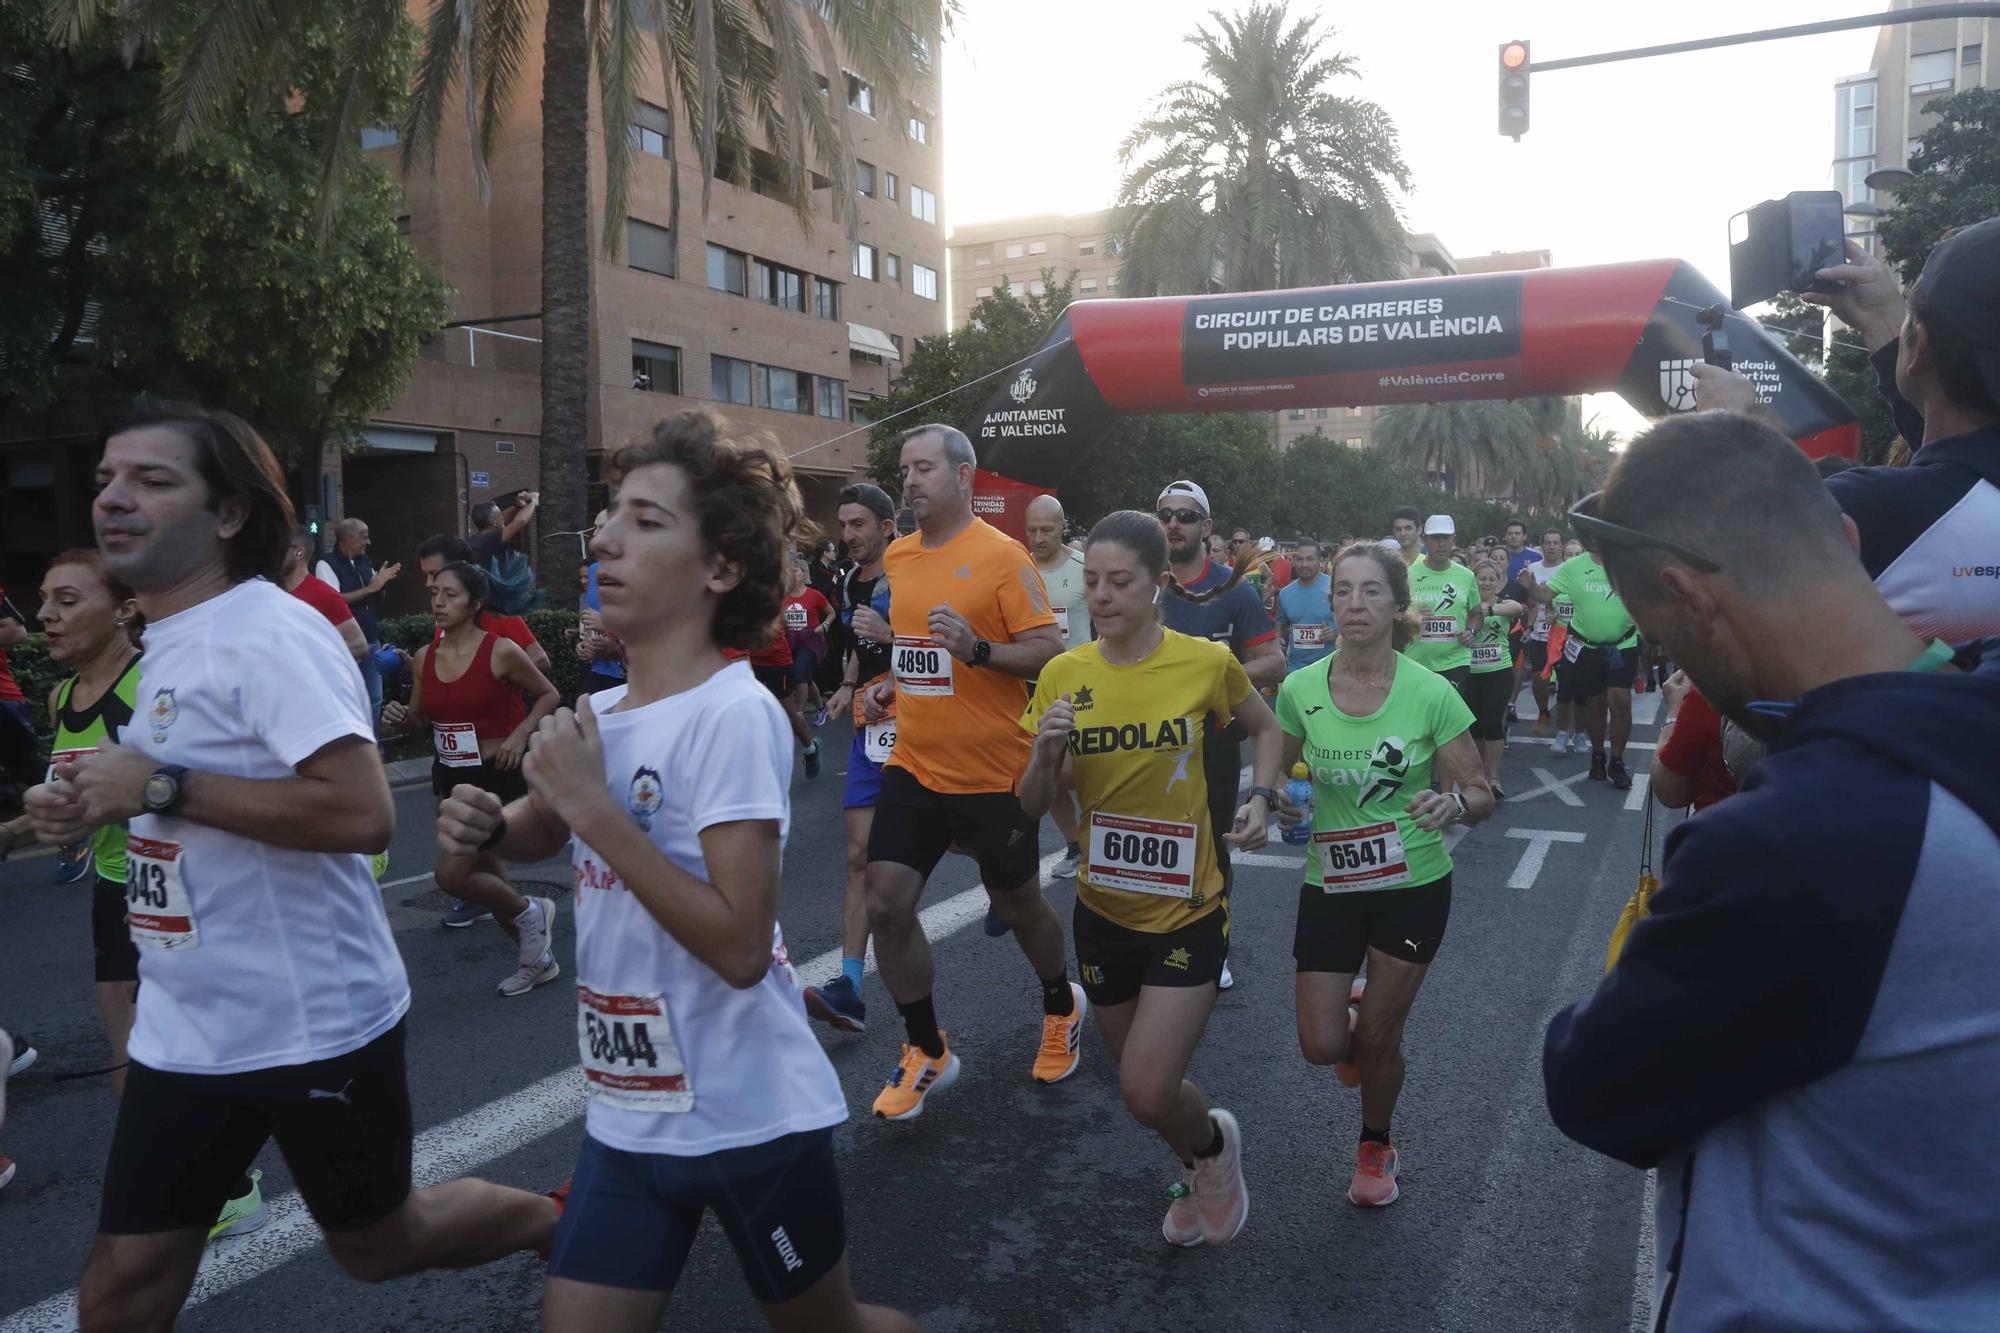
{"x": 481, "y": 480}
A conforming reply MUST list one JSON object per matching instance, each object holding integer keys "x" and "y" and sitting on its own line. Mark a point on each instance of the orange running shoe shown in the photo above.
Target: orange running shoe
{"x": 1062, "y": 1046}
{"x": 1374, "y": 1183}
{"x": 915, "y": 1077}
{"x": 1348, "y": 1072}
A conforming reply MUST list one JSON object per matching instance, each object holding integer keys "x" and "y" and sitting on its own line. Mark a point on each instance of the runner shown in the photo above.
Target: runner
{"x": 867, "y": 526}
{"x": 1596, "y": 673}
{"x": 440, "y": 550}
{"x": 273, "y": 997}
{"x": 807, "y": 615}
{"x": 706, "y": 1088}
{"x": 1535, "y": 648}
{"x": 1062, "y": 575}
{"x": 1124, "y": 715}
{"x": 1375, "y": 729}
{"x": 1405, "y": 525}
{"x": 1305, "y": 622}
{"x": 1501, "y": 603}
{"x": 1519, "y": 556}
{"x": 1445, "y": 594}
{"x": 1207, "y": 600}
{"x": 479, "y": 735}
{"x": 772, "y": 665}
{"x": 972, "y": 626}
{"x": 1569, "y": 726}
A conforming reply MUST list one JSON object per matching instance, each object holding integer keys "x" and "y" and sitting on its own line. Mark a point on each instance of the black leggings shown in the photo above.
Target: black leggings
{"x": 1487, "y": 694}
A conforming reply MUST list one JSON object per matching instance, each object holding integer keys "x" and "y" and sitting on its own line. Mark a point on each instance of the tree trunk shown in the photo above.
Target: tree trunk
{"x": 566, "y": 241}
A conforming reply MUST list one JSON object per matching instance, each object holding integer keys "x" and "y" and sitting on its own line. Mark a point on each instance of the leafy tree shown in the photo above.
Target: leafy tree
{"x": 1256, "y": 176}
{"x": 1327, "y": 489}
{"x": 1957, "y": 166}
{"x": 199, "y": 273}
{"x": 1802, "y": 330}
{"x": 1462, "y": 443}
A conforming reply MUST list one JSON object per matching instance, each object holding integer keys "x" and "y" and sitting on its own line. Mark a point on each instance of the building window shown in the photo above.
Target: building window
{"x": 1969, "y": 55}
{"x": 1016, "y": 250}
{"x": 826, "y": 298}
{"x": 656, "y": 368}
{"x": 889, "y": 186}
{"x": 920, "y": 130}
{"x": 729, "y": 379}
{"x": 896, "y": 339}
{"x": 1931, "y": 72}
{"x": 864, "y": 177}
{"x": 860, "y": 95}
{"x": 864, "y": 262}
{"x": 1298, "y": 414}
{"x": 1111, "y": 283}
{"x": 728, "y": 271}
{"x": 920, "y": 50}
{"x": 923, "y": 281}
{"x": 892, "y": 269}
{"x": 923, "y": 204}
{"x": 1087, "y": 248}
{"x": 402, "y": 224}
{"x": 861, "y": 407}
{"x": 1038, "y": 247}
{"x": 377, "y": 136}
{"x": 780, "y": 286}
{"x": 831, "y": 395}
{"x": 781, "y": 390}
{"x": 1088, "y": 286}
{"x": 1319, "y": 414}
{"x": 649, "y": 248}
{"x": 981, "y": 293}
{"x": 649, "y": 129}
{"x": 1036, "y": 287}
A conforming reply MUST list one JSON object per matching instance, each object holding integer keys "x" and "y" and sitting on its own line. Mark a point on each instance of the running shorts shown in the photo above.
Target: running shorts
{"x": 805, "y": 665}
{"x": 1336, "y": 930}
{"x": 776, "y": 679}
{"x": 116, "y": 957}
{"x": 632, "y": 1217}
{"x": 1115, "y": 961}
{"x": 1222, "y": 768}
{"x": 1536, "y": 651}
{"x": 1488, "y": 693}
{"x": 183, "y": 1141}
{"x": 864, "y": 776}
{"x": 1592, "y": 673}
{"x": 915, "y": 826}
{"x": 507, "y": 784}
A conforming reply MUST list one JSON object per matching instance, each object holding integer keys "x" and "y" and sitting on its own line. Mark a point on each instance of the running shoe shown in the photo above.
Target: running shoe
{"x": 1062, "y": 1044}
{"x": 463, "y": 914}
{"x": 530, "y": 975}
{"x": 538, "y": 931}
{"x": 996, "y": 925}
{"x": 6, "y": 1072}
{"x": 1348, "y": 1072}
{"x": 839, "y": 1004}
{"x": 1597, "y": 765}
{"x": 1067, "y": 867}
{"x": 819, "y": 717}
{"x": 74, "y": 861}
{"x": 1374, "y": 1183}
{"x": 7, "y": 1170}
{"x": 241, "y": 1216}
{"x": 1225, "y": 981}
{"x": 1512, "y": 716}
{"x": 1221, "y": 1198}
{"x": 1616, "y": 772}
{"x": 23, "y": 1054}
{"x": 1183, "y": 1224}
{"x": 1541, "y": 727}
{"x": 559, "y": 1196}
{"x": 1560, "y": 745}
{"x": 812, "y": 761}
{"x": 915, "y": 1077}
{"x": 1499, "y": 792}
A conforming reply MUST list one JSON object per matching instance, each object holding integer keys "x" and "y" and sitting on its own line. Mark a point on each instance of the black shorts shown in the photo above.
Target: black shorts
{"x": 1593, "y": 672}
{"x": 915, "y": 826}
{"x": 20, "y": 749}
{"x": 117, "y": 958}
{"x": 776, "y": 679}
{"x": 1115, "y": 961}
{"x": 1459, "y": 678}
{"x": 184, "y": 1140}
{"x": 1536, "y": 653}
{"x": 631, "y": 1218}
{"x": 1488, "y": 693}
{"x": 1336, "y": 930}
{"x": 507, "y": 784}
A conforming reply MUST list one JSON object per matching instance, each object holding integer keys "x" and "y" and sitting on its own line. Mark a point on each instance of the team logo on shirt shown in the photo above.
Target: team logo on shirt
{"x": 1081, "y": 699}
{"x": 1388, "y": 767}
{"x": 162, "y": 714}
{"x": 645, "y": 796}
{"x": 1177, "y": 959}
{"x": 1446, "y": 599}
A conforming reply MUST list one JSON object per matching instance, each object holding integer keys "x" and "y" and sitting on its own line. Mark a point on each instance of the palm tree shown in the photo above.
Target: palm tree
{"x": 1255, "y": 176}
{"x": 1566, "y": 463}
{"x": 740, "y": 73}
{"x": 1460, "y": 444}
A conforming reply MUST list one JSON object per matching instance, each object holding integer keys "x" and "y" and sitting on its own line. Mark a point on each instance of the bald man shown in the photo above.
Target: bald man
{"x": 1062, "y": 575}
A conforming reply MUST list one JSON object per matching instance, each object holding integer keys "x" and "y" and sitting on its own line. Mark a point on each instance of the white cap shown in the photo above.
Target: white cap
{"x": 1440, "y": 525}
{"x": 1391, "y": 544}
{"x": 1186, "y": 490}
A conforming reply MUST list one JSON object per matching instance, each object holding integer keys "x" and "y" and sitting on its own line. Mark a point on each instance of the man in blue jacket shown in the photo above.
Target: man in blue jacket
{"x": 1804, "y": 1035}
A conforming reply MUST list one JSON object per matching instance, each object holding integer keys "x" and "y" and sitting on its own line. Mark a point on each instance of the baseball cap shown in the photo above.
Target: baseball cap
{"x": 1440, "y": 525}
{"x": 1186, "y": 490}
{"x": 870, "y": 497}
{"x": 1960, "y": 288}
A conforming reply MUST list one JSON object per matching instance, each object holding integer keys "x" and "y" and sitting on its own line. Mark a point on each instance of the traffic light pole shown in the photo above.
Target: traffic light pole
{"x": 1920, "y": 14}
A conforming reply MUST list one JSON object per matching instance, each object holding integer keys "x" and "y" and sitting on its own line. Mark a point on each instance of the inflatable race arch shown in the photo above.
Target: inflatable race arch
{"x": 1629, "y": 328}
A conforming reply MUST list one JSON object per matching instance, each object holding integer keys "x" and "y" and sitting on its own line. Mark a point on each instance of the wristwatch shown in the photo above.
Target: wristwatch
{"x": 1456, "y": 796}
{"x": 1270, "y": 796}
{"x": 981, "y": 650}
{"x": 163, "y": 791}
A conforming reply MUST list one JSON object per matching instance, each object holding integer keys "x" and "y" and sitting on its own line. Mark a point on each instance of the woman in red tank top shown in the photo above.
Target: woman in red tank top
{"x": 467, "y": 687}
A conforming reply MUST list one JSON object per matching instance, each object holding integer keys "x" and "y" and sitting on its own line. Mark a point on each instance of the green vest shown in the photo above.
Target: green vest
{"x": 82, "y": 729}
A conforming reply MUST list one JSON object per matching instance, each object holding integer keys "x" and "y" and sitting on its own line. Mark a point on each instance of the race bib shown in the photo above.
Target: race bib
{"x": 878, "y": 740}
{"x": 65, "y": 756}
{"x": 1062, "y": 622}
{"x": 456, "y": 743}
{"x": 1308, "y": 636}
{"x": 1439, "y": 629}
{"x": 1141, "y": 855}
{"x": 1572, "y": 648}
{"x": 1488, "y": 655}
{"x": 1370, "y": 857}
{"x": 630, "y": 1058}
{"x": 922, "y": 667}
{"x": 795, "y": 616}
{"x": 156, "y": 901}
{"x": 1565, "y": 610}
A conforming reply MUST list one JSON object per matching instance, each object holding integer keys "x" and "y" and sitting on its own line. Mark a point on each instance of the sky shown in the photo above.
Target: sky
{"x": 1635, "y": 160}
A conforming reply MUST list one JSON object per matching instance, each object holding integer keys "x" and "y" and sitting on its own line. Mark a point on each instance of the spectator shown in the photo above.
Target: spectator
{"x": 823, "y": 574}
{"x": 494, "y": 531}
{"x": 347, "y": 570}
{"x": 324, "y": 598}
{"x": 1804, "y": 1035}
{"x": 1403, "y": 523}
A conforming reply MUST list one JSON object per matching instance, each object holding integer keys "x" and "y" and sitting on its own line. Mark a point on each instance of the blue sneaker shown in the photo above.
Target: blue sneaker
{"x": 839, "y": 1004}
{"x": 996, "y": 925}
{"x": 74, "y": 862}
{"x": 463, "y": 914}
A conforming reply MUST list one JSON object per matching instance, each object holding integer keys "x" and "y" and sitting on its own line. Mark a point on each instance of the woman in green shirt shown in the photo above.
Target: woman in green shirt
{"x": 1374, "y": 729}
{"x": 1491, "y": 688}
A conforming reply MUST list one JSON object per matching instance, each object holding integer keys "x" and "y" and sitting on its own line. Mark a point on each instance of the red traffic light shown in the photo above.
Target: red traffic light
{"x": 1514, "y": 55}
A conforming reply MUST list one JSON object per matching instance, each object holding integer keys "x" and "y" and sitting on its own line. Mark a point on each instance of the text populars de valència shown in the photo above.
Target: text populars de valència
{"x": 1334, "y": 325}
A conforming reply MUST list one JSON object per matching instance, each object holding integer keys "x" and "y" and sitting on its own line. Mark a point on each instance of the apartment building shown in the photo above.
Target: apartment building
{"x": 1079, "y": 246}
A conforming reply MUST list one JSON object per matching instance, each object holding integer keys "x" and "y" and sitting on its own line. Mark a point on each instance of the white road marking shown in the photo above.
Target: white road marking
{"x": 407, "y": 879}
{"x": 1535, "y": 853}
{"x": 1642, "y": 1267}
{"x": 1552, "y": 786}
{"x": 1642, "y": 785}
{"x": 457, "y": 1147}
{"x": 1550, "y": 740}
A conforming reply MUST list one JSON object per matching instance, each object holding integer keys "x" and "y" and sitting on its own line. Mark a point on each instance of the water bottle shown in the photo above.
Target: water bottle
{"x": 1299, "y": 791}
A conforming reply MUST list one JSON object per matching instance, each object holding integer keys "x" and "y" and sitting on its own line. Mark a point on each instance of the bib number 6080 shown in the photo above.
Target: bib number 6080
{"x": 1138, "y": 849}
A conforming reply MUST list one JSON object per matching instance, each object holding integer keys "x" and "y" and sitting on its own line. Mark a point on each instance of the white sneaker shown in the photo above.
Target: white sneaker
{"x": 1221, "y": 1197}
{"x": 530, "y": 975}
{"x": 1068, "y": 866}
{"x": 1225, "y": 981}
{"x": 538, "y": 930}
{"x": 1560, "y": 744}
{"x": 1183, "y": 1224}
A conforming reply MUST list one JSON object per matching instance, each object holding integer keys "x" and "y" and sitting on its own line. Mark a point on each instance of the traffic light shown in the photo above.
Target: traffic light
{"x": 1514, "y": 89}
{"x": 312, "y": 520}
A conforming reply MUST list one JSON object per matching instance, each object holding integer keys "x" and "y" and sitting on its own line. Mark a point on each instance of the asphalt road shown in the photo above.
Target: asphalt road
{"x": 1007, "y": 1205}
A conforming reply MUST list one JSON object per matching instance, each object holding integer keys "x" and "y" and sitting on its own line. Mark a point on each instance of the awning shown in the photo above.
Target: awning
{"x": 861, "y": 338}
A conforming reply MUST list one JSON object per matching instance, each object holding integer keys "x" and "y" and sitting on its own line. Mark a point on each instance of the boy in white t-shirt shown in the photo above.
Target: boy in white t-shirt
{"x": 707, "y": 1088}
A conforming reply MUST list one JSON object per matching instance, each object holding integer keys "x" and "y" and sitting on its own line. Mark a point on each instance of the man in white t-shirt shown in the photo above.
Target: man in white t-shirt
{"x": 1062, "y": 575}
{"x": 272, "y": 995}
{"x": 1536, "y": 653}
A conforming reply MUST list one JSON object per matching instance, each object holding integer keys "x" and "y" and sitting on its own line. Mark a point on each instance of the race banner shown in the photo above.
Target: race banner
{"x": 1630, "y": 329}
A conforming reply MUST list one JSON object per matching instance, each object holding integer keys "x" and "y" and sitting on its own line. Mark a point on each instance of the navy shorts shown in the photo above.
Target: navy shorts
{"x": 864, "y": 776}
{"x": 632, "y": 1217}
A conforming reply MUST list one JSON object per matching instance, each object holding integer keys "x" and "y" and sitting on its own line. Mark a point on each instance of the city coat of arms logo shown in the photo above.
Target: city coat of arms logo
{"x": 1024, "y": 385}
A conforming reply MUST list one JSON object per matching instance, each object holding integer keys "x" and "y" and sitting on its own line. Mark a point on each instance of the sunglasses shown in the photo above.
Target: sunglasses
{"x": 1185, "y": 517}
{"x": 1617, "y": 534}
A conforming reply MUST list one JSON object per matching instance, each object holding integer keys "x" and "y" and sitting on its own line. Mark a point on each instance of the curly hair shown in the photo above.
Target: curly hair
{"x": 1397, "y": 575}
{"x": 749, "y": 510}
